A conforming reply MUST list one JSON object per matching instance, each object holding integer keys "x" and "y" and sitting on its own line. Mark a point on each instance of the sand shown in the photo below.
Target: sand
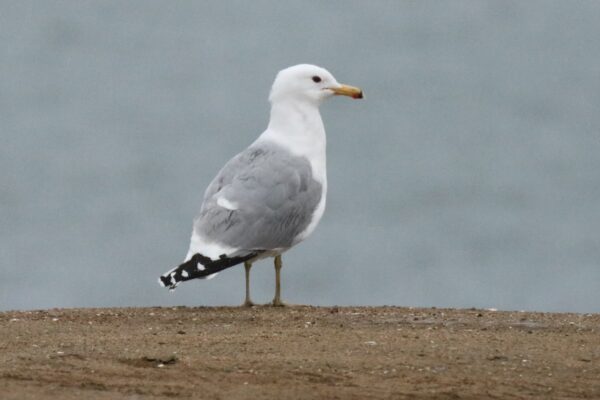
{"x": 298, "y": 353}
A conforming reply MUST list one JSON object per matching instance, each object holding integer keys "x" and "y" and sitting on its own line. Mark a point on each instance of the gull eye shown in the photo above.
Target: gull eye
{"x": 316, "y": 79}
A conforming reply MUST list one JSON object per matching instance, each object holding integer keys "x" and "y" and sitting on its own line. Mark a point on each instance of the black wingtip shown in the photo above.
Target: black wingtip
{"x": 168, "y": 281}
{"x": 164, "y": 281}
{"x": 200, "y": 266}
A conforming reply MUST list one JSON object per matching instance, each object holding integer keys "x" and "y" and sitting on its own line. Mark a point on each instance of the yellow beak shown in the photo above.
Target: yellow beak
{"x": 347, "y": 90}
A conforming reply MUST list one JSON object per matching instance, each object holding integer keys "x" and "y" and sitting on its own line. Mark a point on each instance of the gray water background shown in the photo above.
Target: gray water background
{"x": 469, "y": 176}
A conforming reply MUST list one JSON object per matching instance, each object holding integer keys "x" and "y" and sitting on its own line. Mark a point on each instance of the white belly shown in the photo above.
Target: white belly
{"x": 315, "y": 219}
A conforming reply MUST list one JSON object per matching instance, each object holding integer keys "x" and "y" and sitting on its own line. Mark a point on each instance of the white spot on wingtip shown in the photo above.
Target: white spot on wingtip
{"x": 184, "y": 274}
{"x": 200, "y": 267}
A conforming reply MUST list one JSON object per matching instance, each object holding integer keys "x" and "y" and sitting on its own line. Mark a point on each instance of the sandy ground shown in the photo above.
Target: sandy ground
{"x": 298, "y": 353}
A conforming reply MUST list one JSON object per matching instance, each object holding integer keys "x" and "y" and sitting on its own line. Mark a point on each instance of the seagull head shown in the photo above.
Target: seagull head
{"x": 309, "y": 83}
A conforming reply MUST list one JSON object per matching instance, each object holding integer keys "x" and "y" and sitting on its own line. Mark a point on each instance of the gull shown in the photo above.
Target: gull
{"x": 271, "y": 196}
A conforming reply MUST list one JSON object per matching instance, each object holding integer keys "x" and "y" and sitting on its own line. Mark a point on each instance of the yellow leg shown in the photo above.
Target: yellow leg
{"x": 277, "y": 300}
{"x": 248, "y": 302}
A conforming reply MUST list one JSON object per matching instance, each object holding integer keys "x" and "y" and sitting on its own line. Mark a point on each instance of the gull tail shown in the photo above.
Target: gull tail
{"x": 201, "y": 267}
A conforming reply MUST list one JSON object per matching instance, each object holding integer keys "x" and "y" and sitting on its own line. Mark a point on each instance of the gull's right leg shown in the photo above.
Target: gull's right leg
{"x": 248, "y": 302}
{"x": 277, "y": 300}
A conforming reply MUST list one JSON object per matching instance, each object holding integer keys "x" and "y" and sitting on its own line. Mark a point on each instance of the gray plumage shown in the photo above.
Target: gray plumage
{"x": 275, "y": 196}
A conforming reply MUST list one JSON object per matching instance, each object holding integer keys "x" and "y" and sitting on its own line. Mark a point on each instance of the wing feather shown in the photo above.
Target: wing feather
{"x": 274, "y": 194}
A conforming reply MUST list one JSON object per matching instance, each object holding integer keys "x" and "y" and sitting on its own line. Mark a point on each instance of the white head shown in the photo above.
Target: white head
{"x": 305, "y": 82}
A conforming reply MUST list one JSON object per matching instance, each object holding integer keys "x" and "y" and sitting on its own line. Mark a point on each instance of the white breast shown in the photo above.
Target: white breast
{"x": 302, "y": 134}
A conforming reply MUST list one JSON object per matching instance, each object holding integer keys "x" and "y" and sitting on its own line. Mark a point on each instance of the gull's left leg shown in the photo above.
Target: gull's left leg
{"x": 248, "y": 302}
{"x": 277, "y": 300}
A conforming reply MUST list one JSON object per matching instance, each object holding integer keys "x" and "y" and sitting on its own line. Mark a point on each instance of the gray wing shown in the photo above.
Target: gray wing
{"x": 274, "y": 196}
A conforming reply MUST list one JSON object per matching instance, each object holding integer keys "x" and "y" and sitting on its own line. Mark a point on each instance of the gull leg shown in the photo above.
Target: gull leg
{"x": 248, "y": 302}
{"x": 277, "y": 300}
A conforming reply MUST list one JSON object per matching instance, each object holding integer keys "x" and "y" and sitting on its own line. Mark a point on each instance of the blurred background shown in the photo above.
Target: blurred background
{"x": 468, "y": 177}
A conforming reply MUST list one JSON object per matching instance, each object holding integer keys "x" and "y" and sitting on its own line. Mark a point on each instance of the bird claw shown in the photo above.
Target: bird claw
{"x": 278, "y": 303}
